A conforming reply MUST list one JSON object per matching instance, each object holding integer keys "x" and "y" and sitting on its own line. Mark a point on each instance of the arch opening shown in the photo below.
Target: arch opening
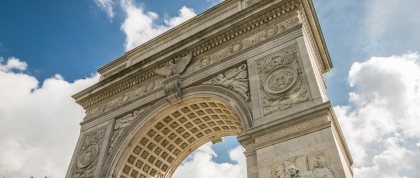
{"x": 173, "y": 133}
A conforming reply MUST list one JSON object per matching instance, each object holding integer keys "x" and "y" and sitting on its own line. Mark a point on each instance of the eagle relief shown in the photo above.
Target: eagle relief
{"x": 176, "y": 66}
{"x": 282, "y": 82}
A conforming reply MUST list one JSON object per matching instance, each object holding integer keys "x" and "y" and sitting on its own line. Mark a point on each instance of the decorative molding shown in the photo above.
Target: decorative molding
{"x": 282, "y": 82}
{"x": 256, "y": 22}
{"x": 124, "y": 98}
{"x": 122, "y": 123}
{"x": 136, "y": 81}
{"x": 251, "y": 2}
{"x": 243, "y": 44}
{"x": 114, "y": 71}
{"x": 235, "y": 79}
{"x": 87, "y": 159}
{"x": 312, "y": 44}
{"x": 287, "y": 131}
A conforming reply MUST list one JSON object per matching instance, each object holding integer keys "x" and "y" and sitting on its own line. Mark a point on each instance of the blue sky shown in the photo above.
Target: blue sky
{"x": 47, "y": 47}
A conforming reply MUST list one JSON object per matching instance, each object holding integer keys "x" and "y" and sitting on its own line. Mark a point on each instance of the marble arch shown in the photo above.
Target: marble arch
{"x": 167, "y": 134}
{"x": 249, "y": 68}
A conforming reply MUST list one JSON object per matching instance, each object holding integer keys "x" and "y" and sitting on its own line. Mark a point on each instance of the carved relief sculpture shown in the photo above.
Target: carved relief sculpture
{"x": 89, "y": 153}
{"x": 121, "y": 124}
{"x": 316, "y": 166}
{"x": 282, "y": 81}
{"x": 235, "y": 79}
{"x": 174, "y": 68}
{"x": 246, "y": 43}
{"x": 173, "y": 79}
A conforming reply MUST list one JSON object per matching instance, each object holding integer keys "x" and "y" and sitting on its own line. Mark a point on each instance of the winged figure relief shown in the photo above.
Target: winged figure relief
{"x": 176, "y": 66}
{"x": 235, "y": 79}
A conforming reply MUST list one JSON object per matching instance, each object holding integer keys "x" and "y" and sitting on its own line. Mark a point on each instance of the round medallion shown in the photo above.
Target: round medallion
{"x": 88, "y": 155}
{"x": 205, "y": 62}
{"x": 236, "y": 47}
{"x": 280, "y": 80}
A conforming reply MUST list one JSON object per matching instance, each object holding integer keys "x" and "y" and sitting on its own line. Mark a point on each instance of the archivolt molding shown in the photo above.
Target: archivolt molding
{"x": 88, "y": 154}
{"x": 216, "y": 98}
{"x": 157, "y": 147}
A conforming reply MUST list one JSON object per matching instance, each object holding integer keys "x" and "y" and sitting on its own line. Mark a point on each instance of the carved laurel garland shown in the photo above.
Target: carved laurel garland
{"x": 87, "y": 159}
{"x": 235, "y": 79}
{"x": 282, "y": 82}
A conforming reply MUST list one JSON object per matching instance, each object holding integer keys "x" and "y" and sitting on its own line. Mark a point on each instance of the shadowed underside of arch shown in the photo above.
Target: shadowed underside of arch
{"x": 160, "y": 145}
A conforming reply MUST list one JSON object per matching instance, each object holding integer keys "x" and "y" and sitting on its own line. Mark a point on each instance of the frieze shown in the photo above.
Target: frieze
{"x": 282, "y": 82}
{"x": 243, "y": 44}
{"x": 198, "y": 64}
{"x": 125, "y": 98}
{"x": 287, "y": 131}
{"x": 235, "y": 79}
{"x": 87, "y": 158}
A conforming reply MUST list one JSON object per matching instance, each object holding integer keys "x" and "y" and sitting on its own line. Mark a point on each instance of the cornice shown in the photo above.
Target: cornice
{"x": 138, "y": 75}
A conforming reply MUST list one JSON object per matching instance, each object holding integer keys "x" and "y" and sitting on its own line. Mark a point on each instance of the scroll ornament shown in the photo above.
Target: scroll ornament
{"x": 235, "y": 79}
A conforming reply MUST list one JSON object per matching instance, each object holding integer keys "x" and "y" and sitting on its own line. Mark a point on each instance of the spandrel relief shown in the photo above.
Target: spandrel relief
{"x": 87, "y": 158}
{"x": 235, "y": 79}
{"x": 121, "y": 124}
{"x": 282, "y": 82}
{"x": 310, "y": 166}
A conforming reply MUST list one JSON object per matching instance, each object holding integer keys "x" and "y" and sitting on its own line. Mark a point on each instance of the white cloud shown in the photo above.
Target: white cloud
{"x": 383, "y": 107}
{"x": 398, "y": 24}
{"x": 141, "y": 25}
{"x": 38, "y": 124}
{"x": 106, "y": 6}
{"x": 12, "y": 63}
{"x": 202, "y": 166}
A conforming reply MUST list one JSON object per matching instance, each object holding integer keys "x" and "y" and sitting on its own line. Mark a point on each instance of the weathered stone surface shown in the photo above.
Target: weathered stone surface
{"x": 249, "y": 68}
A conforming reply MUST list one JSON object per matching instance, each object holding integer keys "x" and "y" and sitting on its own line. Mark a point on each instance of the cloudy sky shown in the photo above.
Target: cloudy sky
{"x": 48, "y": 47}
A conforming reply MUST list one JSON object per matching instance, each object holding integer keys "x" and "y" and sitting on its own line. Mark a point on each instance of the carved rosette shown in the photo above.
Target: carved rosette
{"x": 282, "y": 82}
{"x": 235, "y": 79}
{"x": 87, "y": 158}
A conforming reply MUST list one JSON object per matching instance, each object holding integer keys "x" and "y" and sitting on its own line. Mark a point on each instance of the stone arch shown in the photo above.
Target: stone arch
{"x": 157, "y": 144}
